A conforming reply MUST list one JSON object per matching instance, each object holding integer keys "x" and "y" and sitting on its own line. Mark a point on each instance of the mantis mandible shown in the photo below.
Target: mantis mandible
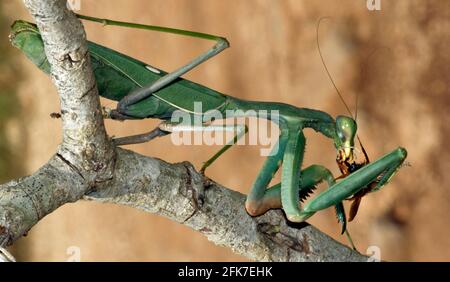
{"x": 143, "y": 91}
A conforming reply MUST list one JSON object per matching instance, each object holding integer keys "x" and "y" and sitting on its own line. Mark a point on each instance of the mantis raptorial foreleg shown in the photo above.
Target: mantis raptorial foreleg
{"x": 263, "y": 199}
{"x": 258, "y": 201}
{"x": 385, "y": 167}
{"x": 290, "y": 174}
{"x": 290, "y": 150}
{"x": 310, "y": 177}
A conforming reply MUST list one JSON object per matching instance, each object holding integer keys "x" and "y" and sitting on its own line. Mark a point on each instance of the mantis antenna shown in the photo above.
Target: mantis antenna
{"x": 349, "y": 238}
{"x": 326, "y": 68}
{"x": 337, "y": 89}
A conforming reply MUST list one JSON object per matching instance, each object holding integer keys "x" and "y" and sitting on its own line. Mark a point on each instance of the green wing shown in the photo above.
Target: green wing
{"x": 118, "y": 74}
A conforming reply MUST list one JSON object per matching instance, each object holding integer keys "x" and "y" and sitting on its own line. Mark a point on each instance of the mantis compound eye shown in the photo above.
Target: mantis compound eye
{"x": 346, "y": 130}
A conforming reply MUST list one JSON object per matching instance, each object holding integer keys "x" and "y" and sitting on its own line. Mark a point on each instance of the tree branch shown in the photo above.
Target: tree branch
{"x": 180, "y": 193}
{"x": 85, "y": 143}
{"x": 25, "y": 201}
{"x": 87, "y": 166}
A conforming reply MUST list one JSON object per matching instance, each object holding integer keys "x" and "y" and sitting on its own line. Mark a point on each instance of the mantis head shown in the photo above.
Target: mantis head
{"x": 345, "y": 144}
{"x": 344, "y": 141}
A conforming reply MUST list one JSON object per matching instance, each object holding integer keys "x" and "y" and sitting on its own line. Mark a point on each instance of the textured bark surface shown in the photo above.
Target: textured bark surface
{"x": 86, "y": 155}
{"x": 180, "y": 193}
{"x": 86, "y": 165}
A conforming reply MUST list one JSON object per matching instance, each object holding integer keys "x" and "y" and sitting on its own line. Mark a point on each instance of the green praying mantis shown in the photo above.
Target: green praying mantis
{"x": 143, "y": 91}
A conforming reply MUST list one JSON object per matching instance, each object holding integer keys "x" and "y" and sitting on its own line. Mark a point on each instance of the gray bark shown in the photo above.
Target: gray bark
{"x": 88, "y": 166}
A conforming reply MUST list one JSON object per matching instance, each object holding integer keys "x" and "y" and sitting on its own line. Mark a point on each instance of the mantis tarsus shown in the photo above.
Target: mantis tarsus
{"x": 147, "y": 92}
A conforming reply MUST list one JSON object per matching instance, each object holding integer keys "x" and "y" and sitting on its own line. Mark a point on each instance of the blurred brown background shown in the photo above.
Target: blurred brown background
{"x": 404, "y": 100}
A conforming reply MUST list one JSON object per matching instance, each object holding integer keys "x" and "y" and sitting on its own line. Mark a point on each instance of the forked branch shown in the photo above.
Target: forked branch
{"x": 88, "y": 166}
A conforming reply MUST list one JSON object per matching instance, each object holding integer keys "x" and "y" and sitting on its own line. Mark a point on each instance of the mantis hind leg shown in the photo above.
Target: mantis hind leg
{"x": 141, "y": 93}
{"x": 146, "y": 91}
